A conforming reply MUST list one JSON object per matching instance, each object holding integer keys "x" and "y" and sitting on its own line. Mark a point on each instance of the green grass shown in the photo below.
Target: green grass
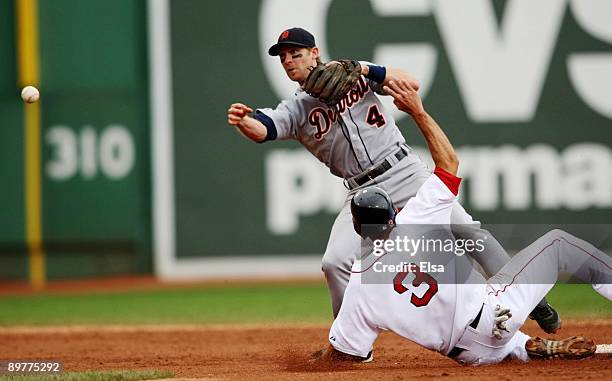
{"x": 248, "y": 304}
{"x": 115, "y": 375}
{"x": 299, "y": 303}
{"x": 579, "y": 301}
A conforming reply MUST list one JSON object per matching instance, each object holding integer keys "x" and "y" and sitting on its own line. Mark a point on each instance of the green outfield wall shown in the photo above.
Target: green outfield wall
{"x": 517, "y": 85}
{"x": 523, "y": 88}
{"x": 11, "y": 152}
{"x": 95, "y": 150}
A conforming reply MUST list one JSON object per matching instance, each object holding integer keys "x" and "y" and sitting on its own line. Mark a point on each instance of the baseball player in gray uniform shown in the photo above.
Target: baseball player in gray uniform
{"x": 359, "y": 141}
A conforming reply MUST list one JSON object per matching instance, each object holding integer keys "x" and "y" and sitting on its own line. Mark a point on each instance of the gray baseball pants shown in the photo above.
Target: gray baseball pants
{"x": 525, "y": 280}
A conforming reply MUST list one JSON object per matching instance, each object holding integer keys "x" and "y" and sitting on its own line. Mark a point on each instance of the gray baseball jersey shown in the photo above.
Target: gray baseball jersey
{"x": 356, "y": 134}
{"x": 348, "y": 138}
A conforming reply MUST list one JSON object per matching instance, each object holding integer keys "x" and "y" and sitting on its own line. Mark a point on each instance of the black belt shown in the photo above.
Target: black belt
{"x": 474, "y": 324}
{"x": 374, "y": 171}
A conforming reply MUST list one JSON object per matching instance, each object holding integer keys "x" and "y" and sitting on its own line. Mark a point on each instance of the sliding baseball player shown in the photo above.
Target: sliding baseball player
{"x": 472, "y": 320}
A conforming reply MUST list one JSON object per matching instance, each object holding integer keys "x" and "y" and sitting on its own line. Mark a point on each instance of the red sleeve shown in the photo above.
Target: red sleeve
{"x": 450, "y": 180}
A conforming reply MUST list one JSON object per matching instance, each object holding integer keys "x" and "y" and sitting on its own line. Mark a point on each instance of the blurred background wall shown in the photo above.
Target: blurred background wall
{"x": 94, "y": 139}
{"x": 140, "y": 171}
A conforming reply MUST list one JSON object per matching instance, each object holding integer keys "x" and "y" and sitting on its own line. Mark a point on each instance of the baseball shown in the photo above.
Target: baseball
{"x": 30, "y": 94}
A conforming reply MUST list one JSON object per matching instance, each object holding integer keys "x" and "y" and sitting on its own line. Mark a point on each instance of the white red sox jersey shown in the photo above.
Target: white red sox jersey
{"x": 348, "y": 138}
{"x": 426, "y": 305}
{"x": 411, "y": 303}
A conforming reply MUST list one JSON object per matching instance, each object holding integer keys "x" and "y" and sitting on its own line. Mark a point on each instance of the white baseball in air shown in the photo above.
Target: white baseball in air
{"x": 30, "y": 94}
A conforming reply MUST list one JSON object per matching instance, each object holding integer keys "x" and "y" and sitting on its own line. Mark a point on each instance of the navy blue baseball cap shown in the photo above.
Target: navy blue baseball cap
{"x": 293, "y": 36}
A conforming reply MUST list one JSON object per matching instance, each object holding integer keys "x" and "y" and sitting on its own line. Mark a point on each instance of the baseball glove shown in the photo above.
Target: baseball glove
{"x": 330, "y": 82}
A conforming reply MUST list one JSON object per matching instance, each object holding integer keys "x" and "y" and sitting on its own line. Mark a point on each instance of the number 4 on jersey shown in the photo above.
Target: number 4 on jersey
{"x": 375, "y": 118}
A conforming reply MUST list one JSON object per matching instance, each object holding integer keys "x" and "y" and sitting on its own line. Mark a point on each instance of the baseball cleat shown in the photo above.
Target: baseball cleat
{"x": 369, "y": 357}
{"x": 332, "y": 354}
{"x": 547, "y": 318}
{"x": 575, "y": 347}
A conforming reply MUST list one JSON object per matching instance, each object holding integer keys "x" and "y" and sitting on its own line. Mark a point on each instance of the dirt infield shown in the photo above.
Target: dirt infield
{"x": 274, "y": 353}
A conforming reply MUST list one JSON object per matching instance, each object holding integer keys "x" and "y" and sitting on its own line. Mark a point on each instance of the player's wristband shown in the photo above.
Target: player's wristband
{"x": 377, "y": 73}
{"x": 272, "y": 133}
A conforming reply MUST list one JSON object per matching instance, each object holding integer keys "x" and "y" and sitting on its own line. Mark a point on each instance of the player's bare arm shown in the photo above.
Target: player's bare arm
{"x": 394, "y": 75}
{"x": 408, "y": 100}
{"x": 398, "y": 75}
{"x": 237, "y": 115}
